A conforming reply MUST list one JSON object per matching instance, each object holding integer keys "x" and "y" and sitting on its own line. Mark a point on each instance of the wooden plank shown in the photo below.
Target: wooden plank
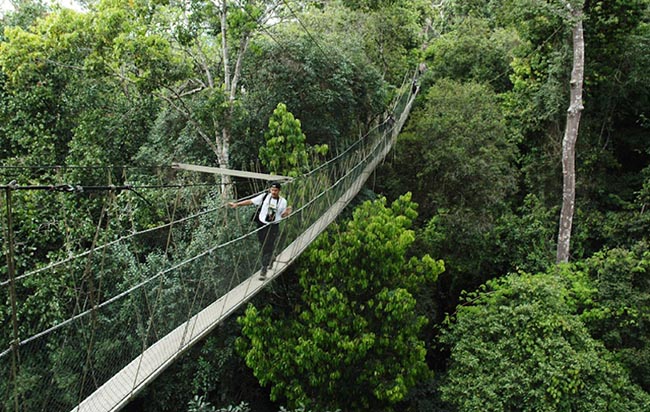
{"x": 229, "y": 172}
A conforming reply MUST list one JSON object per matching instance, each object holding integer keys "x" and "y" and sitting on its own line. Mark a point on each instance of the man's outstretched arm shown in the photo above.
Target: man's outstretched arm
{"x": 242, "y": 203}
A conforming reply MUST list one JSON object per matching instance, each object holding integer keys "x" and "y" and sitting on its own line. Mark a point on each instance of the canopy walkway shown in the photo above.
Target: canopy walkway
{"x": 163, "y": 291}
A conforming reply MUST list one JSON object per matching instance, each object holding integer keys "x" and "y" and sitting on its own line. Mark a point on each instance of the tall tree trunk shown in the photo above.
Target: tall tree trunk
{"x": 223, "y": 138}
{"x": 570, "y": 138}
{"x": 230, "y": 80}
{"x": 224, "y": 44}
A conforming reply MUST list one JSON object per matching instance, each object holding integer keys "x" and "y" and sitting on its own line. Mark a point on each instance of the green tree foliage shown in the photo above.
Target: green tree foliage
{"x": 78, "y": 85}
{"x": 473, "y": 51}
{"x": 187, "y": 135}
{"x": 629, "y": 222}
{"x": 458, "y": 154}
{"x": 616, "y": 152}
{"x": 389, "y": 33}
{"x": 24, "y": 14}
{"x": 58, "y": 109}
{"x": 458, "y": 159}
{"x": 519, "y": 240}
{"x": 198, "y": 404}
{"x": 525, "y": 239}
{"x": 203, "y": 378}
{"x": 518, "y": 344}
{"x": 393, "y": 36}
{"x": 131, "y": 46}
{"x": 285, "y": 152}
{"x": 620, "y": 311}
{"x": 610, "y": 153}
{"x": 37, "y": 120}
{"x": 334, "y": 96}
{"x": 351, "y": 342}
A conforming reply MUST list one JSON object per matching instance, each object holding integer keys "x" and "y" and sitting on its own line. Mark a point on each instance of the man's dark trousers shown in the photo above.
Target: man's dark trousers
{"x": 267, "y": 236}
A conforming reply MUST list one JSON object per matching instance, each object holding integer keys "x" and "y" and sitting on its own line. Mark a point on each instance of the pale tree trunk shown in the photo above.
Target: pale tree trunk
{"x": 569, "y": 140}
{"x": 224, "y": 44}
{"x": 223, "y": 140}
{"x": 230, "y": 80}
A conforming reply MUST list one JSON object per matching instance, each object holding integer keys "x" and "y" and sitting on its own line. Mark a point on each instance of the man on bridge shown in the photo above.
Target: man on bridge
{"x": 271, "y": 208}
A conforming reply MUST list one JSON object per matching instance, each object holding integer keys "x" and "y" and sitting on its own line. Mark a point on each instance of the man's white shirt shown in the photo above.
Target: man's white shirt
{"x": 269, "y": 203}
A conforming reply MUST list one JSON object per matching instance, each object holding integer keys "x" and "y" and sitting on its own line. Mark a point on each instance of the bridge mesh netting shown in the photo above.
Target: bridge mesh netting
{"x": 126, "y": 306}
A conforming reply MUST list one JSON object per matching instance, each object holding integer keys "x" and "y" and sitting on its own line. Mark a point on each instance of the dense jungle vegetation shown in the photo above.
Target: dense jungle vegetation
{"x": 438, "y": 290}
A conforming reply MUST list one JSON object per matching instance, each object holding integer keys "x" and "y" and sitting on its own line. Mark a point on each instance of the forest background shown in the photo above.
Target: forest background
{"x": 439, "y": 289}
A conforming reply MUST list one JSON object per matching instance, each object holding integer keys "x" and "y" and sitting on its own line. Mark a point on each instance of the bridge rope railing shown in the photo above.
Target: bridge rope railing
{"x": 128, "y": 294}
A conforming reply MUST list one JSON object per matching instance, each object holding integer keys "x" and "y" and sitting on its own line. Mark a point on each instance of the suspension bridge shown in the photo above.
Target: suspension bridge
{"x": 141, "y": 300}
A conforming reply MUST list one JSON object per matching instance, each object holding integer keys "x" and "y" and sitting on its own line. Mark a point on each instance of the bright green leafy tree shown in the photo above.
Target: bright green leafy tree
{"x": 519, "y": 344}
{"x": 351, "y": 342}
{"x": 285, "y": 152}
